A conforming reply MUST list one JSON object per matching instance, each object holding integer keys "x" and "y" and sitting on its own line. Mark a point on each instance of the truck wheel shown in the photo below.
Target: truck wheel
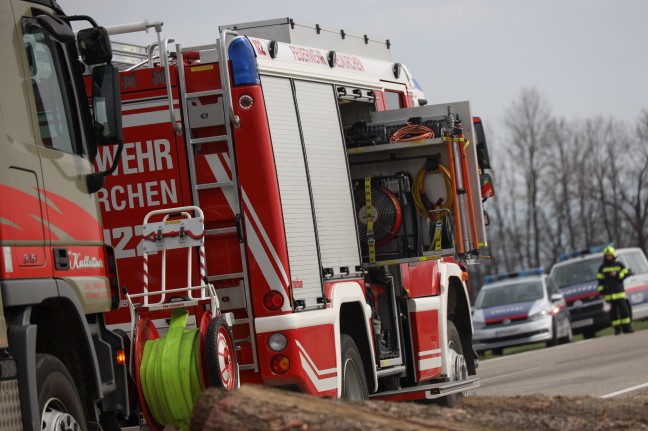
{"x": 58, "y": 400}
{"x": 354, "y": 382}
{"x": 458, "y": 370}
{"x": 220, "y": 356}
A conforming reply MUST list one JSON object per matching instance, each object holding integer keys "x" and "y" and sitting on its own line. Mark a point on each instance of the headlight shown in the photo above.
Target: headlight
{"x": 538, "y": 315}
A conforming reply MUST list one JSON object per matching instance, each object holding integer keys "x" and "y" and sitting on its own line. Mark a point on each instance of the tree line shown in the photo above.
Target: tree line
{"x": 563, "y": 186}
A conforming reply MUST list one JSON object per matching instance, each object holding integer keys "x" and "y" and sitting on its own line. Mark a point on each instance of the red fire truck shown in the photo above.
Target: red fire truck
{"x": 339, "y": 208}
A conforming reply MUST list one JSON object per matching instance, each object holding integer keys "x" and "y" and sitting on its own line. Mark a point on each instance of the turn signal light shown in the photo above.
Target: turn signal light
{"x": 120, "y": 357}
{"x": 279, "y": 364}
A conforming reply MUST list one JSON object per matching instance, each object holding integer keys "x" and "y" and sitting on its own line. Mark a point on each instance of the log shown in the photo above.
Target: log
{"x": 260, "y": 408}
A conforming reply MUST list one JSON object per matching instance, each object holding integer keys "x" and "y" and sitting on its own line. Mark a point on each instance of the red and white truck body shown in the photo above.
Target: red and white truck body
{"x": 268, "y": 148}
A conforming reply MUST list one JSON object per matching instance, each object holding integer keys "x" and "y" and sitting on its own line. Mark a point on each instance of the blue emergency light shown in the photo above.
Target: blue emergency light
{"x": 518, "y": 274}
{"x": 243, "y": 59}
{"x": 584, "y": 252}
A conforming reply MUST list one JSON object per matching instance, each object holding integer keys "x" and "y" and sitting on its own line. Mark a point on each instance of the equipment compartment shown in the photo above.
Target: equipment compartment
{"x": 417, "y": 184}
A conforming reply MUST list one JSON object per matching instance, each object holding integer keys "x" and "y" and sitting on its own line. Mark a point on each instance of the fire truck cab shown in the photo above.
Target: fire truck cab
{"x": 340, "y": 208}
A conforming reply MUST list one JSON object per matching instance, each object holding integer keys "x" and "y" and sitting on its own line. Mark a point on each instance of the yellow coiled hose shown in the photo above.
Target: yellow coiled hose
{"x": 170, "y": 373}
{"x": 419, "y": 188}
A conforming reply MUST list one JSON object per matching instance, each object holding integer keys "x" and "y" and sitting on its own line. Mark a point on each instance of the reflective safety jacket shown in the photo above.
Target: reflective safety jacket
{"x": 610, "y": 277}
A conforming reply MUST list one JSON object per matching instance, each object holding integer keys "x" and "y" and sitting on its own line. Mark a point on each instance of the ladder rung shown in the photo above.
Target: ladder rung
{"x": 220, "y": 231}
{"x": 247, "y": 367}
{"x": 204, "y": 94}
{"x": 207, "y": 186}
{"x": 208, "y": 139}
{"x": 225, "y": 276}
{"x": 243, "y": 321}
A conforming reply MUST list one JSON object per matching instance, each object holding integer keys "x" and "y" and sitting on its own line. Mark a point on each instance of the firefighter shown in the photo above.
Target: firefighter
{"x": 610, "y": 276}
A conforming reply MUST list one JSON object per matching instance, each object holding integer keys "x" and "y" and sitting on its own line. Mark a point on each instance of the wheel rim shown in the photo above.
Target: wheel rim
{"x": 225, "y": 359}
{"x": 458, "y": 367}
{"x": 352, "y": 383}
{"x": 55, "y": 417}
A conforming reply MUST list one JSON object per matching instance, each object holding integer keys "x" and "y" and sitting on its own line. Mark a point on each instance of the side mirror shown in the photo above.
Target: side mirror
{"x": 94, "y": 45}
{"x": 483, "y": 159}
{"x": 107, "y": 120}
{"x": 557, "y": 297}
{"x": 106, "y": 105}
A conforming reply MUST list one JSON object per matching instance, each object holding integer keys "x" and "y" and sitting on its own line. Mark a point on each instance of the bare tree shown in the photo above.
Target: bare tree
{"x": 563, "y": 144}
{"x": 527, "y": 120}
{"x": 565, "y": 185}
{"x": 634, "y": 191}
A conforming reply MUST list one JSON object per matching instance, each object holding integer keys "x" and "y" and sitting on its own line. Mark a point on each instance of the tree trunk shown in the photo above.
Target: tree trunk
{"x": 262, "y": 408}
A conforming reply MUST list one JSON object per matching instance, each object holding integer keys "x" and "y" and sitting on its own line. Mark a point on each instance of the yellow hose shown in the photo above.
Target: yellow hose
{"x": 170, "y": 373}
{"x": 419, "y": 188}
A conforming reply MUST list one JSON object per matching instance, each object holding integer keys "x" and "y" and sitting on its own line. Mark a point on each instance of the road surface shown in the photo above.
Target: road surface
{"x": 602, "y": 367}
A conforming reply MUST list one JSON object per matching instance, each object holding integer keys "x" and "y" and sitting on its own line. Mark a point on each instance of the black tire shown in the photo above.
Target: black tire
{"x": 554, "y": 336}
{"x": 458, "y": 370}
{"x": 567, "y": 338}
{"x": 58, "y": 400}
{"x": 354, "y": 381}
{"x": 220, "y": 355}
{"x": 589, "y": 334}
{"x": 498, "y": 351}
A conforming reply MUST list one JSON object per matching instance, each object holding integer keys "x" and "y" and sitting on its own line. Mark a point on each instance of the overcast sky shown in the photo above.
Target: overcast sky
{"x": 586, "y": 57}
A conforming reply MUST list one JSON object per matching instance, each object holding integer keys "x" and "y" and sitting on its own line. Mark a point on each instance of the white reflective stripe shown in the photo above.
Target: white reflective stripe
{"x": 430, "y": 352}
{"x": 263, "y": 233}
{"x": 287, "y": 322}
{"x": 148, "y": 118}
{"x": 8, "y": 261}
{"x": 430, "y": 363}
{"x": 221, "y": 176}
{"x": 310, "y": 361}
{"x": 254, "y": 242}
{"x": 326, "y": 384}
{"x": 137, "y": 104}
{"x": 269, "y": 273}
{"x": 321, "y": 385}
{"x": 418, "y": 305}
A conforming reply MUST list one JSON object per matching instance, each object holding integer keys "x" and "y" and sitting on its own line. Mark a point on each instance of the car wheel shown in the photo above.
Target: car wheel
{"x": 354, "y": 382}
{"x": 554, "y": 334}
{"x": 569, "y": 337}
{"x": 588, "y": 334}
{"x": 458, "y": 370}
{"x": 58, "y": 400}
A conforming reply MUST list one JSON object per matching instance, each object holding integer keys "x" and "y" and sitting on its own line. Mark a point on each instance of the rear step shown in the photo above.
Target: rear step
{"x": 435, "y": 390}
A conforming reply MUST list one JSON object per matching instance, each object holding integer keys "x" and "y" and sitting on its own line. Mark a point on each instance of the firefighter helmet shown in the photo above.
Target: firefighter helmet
{"x": 609, "y": 251}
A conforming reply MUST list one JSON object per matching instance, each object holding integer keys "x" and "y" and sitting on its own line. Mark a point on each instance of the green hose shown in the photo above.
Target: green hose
{"x": 170, "y": 373}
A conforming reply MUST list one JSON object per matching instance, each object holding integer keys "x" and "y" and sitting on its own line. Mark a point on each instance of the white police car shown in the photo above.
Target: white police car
{"x": 575, "y": 276}
{"x": 519, "y": 308}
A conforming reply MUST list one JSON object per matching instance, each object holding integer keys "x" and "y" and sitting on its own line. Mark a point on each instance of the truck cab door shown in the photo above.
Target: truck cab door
{"x": 70, "y": 215}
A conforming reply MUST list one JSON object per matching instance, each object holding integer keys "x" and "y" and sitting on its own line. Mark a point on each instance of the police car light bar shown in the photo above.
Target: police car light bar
{"x": 525, "y": 273}
{"x": 584, "y": 252}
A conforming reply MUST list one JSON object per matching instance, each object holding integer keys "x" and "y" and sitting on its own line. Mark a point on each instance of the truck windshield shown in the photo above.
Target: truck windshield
{"x": 577, "y": 272}
{"x": 509, "y": 294}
